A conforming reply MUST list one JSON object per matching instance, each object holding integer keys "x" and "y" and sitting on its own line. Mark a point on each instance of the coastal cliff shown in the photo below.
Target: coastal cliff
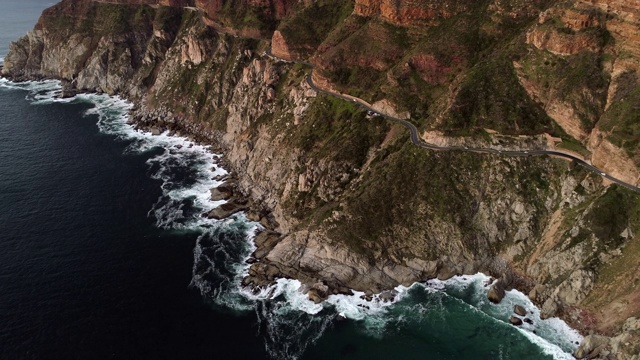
{"x": 349, "y": 201}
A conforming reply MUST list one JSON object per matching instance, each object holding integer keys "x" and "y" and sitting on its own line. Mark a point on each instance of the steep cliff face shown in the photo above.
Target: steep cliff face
{"x": 598, "y": 38}
{"x": 349, "y": 199}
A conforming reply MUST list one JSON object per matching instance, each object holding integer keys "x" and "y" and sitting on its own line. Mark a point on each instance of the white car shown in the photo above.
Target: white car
{"x": 603, "y": 174}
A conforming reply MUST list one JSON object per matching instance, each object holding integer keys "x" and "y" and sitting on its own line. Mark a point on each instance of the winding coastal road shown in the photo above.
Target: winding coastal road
{"x": 417, "y": 141}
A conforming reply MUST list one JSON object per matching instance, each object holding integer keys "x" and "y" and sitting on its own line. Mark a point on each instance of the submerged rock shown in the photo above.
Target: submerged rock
{"x": 388, "y": 296}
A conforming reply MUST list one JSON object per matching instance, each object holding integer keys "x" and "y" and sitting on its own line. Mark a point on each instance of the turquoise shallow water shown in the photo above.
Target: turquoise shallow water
{"x": 104, "y": 254}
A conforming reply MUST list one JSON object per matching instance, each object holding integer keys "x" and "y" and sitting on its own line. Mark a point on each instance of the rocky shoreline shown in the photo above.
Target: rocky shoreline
{"x": 313, "y": 171}
{"x": 264, "y": 273}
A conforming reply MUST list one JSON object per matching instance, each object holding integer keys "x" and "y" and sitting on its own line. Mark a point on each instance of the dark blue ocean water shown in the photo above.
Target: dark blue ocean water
{"x": 84, "y": 272}
{"x": 104, "y": 255}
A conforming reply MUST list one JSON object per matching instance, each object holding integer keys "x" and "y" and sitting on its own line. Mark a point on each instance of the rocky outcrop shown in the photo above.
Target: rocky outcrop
{"x": 624, "y": 346}
{"x": 410, "y": 12}
{"x": 591, "y": 347}
{"x": 562, "y": 43}
{"x": 279, "y": 46}
{"x": 612, "y": 159}
{"x": 570, "y": 292}
{"x": 515, "y": 321}
{"x": 305, "y": 253}
{"x": 496, "y": 292}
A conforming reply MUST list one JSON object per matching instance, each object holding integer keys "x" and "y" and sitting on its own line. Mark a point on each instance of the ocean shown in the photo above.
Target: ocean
{"x": 104, "y": 254}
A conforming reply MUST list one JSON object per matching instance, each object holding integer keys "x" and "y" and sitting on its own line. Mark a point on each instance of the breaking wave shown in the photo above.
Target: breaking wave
{"x": 287, "y": 320}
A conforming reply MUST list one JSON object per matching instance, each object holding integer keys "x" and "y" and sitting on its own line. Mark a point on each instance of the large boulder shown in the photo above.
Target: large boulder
{"x": 265, "y": 241}
{"x": 591, "y": 347}
{"x": 576, "y": 288}
{"x": 519, "y": 310}
{"x": 318, "y": 292}
{"x": 538, "y": 293}
{"x": 225, "y": 210}
{"x": 446, "y": 272}
{"x": 224, "y": 191}
{"x": 217, "y": 194}
{"x": 496, "y": 292}
{"x": 549, "y": 309}
{"x": 515, "y": 321}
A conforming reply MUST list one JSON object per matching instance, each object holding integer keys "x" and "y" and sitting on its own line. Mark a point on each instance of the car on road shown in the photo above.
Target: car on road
{"x": 603, "y": 174}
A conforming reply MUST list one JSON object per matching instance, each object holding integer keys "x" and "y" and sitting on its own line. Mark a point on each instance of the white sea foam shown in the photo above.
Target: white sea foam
{"x": 31, "y": 86}
{"x": 354, "y": 307}
{"x": 553, "y": 335}
{"x": 177, "y": 152}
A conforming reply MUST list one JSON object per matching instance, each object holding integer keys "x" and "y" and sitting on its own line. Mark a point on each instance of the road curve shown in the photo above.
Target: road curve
{"x": 416, "y": 140}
